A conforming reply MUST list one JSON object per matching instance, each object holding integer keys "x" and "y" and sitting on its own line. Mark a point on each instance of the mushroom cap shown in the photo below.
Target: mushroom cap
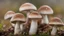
{"x": 18, "y": 17}
{"x": 34, "y": 15}
{"x": 27, "y": 6}
{"x": 9, "y": 15}
{"x": 45, "y": 9}
{"x": 56, "y": 21}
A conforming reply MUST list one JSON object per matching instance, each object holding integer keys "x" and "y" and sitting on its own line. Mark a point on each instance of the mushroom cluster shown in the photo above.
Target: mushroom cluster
{"x": 33, "y": 18}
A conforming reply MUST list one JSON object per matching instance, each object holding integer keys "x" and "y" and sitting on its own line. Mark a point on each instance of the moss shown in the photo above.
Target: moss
{"x": 1, "y": 26}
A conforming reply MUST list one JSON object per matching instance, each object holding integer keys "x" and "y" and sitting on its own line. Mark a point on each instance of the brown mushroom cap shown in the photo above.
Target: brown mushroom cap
{"x": 18, "y": 17}
{"x": 56, "y": 21}
{"x": 34, "y": 15}
{"x": 27, "y": 6}
{"x": 45, "y": 9}
{"x": 9, "y": 14}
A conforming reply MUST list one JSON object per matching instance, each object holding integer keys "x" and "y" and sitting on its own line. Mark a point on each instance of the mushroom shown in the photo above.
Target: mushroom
{"x": 18, "y": 19}
{"x": 55, "y": 22}
{"x": 44, "y": 11}
{"x": 27, "y": 8}
{"x": 9, "y": 15}
{"x": 34, "y": 16}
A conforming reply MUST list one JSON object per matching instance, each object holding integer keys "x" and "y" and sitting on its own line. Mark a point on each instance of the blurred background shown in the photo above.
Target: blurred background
{"x": 6, "y": 5}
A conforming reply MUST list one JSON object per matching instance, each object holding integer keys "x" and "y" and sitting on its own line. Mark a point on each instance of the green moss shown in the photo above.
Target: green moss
{"x": 1, "y": 26}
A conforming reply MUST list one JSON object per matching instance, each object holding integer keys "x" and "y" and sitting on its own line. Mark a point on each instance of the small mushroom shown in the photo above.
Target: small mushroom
{"x": 27, "y": 8}
{"x": 9, "y": 15}
{"x": 18, "y": 19}
{"x": 55, "y": 22}
{"x": 44, "y": 11}
{"x": 34, "y": 16}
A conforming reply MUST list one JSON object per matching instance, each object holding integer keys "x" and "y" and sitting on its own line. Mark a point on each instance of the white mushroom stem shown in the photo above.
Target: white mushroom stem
{"x": 33, "y": 27}
{"x": 13, "y": 24}
{"x": 21, "y": 27}
{"x": 28, "y": 14}
{"x": 54, "y": 30}
{"x": 17, "y": 28}
{"x": 27, "y": 20}
{"x": 45, "y": 18}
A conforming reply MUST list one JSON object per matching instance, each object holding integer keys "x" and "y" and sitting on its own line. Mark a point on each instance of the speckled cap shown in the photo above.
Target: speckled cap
{"x": 45, "y": 9}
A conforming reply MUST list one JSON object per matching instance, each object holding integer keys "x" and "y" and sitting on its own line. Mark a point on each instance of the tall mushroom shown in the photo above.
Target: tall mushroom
{"x": 9, "y": 15}
{"x": 27, "y": 8}
{"x": 18, "y": 19}
{"x": 55, "y": 22}
{"x": 45, "y": 10}
{"x": 34, "y": 16}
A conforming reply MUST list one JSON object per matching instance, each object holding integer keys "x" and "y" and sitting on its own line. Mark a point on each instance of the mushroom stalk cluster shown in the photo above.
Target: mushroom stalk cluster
{"x": 18, "y": 20}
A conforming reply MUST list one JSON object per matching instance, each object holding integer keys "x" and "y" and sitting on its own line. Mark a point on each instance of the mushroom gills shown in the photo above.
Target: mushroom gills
{"x": 33, "y": 27}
